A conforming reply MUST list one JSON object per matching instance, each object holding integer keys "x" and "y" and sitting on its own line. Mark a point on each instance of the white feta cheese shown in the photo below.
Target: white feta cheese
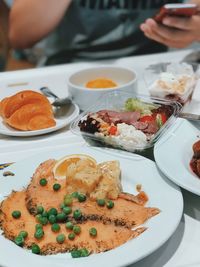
{"x": 127, "y": 137}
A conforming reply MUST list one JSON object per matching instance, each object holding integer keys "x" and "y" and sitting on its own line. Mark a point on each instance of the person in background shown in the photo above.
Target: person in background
{"x": 4, "y": 45}
{"x": 67, "y": 31}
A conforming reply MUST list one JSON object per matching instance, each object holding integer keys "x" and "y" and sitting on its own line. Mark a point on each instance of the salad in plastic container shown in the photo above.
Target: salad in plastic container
{"x": 127, "y": 121}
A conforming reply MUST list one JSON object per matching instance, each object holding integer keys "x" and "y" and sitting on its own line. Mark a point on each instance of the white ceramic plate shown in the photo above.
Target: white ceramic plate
{"x": 60, "y": 123}
{"x": 174, "y": 152}
{"x": 135, "y": 169}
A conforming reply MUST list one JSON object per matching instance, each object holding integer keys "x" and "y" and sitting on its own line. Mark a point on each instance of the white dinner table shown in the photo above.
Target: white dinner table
{"x": 183, "y": 247}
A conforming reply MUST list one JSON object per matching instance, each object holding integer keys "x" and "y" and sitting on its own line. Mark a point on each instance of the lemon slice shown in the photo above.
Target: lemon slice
{"x": 61, "y": 166}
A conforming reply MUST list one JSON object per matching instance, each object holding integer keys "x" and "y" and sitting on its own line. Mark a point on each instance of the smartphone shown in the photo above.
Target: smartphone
{"x": 186, "y": 10}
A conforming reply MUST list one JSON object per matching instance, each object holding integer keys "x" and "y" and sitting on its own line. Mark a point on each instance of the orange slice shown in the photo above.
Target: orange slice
{"x": 61, "y": 166}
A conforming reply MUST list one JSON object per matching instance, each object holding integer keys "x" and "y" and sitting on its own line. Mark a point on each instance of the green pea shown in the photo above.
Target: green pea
{"x": 77, "y": 214}
{"x": 16, "y": 214}
{"x": 55, "y": 227}
{"x": 101, "y": 202}
{"x": 110, "y": 204}
{"x": 40, "y": 209}
{"x": 81, "y": 197}
{"x": 38, "y": 217}
{"x": 79, "y": 253}
{"x": 19, "y": 241}
{"x": 52, "y": 211}
{"x": 93, "y": 231}
{"x": 39, "y": 233}
{"x": 44, "y": 214}
{"x": 75, "y": 194}
{"x": 61, "y": 217}
{"x": 60, "y": 238}
{"x": 67, "y": 210}
{"x": 62, "y": 205}
{"x": 84, "y": 252}
{"x": 24, "y": 234}
{"x": 56, "y": 187}
{"x": 43, "y": 220}
{"x": 76, "y": 229}
{"x": 76, "y": 253}
{"x": 52, "y": 219}
{"x": 35, "y": 249}
{"x": 69, "y": 225}
{"x": 38, "y": 226}
{"x": 68, "y": 201}
{"x": 43, "y": 182}
{"x": 71, "y": 236}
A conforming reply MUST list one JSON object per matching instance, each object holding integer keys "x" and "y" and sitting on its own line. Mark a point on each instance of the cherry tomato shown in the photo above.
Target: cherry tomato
{"x": 113, "y": 130}
{"x": 164, "y": 117}
{"x": 147, "y": 118}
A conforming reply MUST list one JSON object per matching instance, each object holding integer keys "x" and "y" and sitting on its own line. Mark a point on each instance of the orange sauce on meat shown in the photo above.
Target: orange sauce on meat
{"x": 100, "y": 83}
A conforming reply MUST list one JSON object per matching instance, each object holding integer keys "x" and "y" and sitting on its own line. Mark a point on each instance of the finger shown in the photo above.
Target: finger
{"x": 168, "y": 36}
{"x": 181, "y": 23}
{"x": 145, "y": 28}
{"x": 151, "y": 22}
{"x": 168, "y": 42}
{"x": 157, "y": 38}
{"x": 149, "y": 31}
{"x": 148, "y": 26}
{"x": 168, "y": 32}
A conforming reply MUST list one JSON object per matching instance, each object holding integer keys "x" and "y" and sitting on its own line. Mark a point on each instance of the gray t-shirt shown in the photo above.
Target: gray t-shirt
{"x": 99, "y": 29}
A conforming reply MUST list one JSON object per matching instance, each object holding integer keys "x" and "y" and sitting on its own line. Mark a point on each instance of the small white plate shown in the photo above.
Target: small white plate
{"x": 61, "y": 121}
{"x": 135, "y": 170}
{"x": 174, "y": 152}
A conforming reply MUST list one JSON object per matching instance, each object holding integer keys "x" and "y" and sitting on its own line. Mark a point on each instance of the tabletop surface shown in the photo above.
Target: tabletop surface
{"x": 182, "y": 249}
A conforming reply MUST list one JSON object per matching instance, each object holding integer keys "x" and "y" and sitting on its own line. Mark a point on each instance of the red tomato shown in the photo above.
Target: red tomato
{"x": 113, "y": 130}
{"x": 164, "y": 117}
{"x": 147, "y": 118}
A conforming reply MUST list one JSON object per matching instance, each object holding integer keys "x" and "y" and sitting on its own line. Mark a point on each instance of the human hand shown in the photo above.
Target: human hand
{"x": 176, "y": 32}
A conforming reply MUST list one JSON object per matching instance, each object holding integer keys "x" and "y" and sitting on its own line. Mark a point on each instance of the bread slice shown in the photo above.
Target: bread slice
{"x": 82, "y": 177}
{"x": 110, "y": 184}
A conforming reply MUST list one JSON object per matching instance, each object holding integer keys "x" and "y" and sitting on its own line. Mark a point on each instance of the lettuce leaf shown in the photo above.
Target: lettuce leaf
{"x": 134, "y": 104}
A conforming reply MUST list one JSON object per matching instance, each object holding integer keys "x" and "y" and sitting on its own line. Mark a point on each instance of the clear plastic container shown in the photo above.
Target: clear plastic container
{"x": 127, "y": 136}
{"x": 174, "y": 81}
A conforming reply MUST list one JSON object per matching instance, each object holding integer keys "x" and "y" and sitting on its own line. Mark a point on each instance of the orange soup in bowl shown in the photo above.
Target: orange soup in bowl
{"x": 100, "y": 83}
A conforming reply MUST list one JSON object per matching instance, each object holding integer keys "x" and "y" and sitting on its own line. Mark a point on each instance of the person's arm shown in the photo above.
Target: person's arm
{"x": 31, "y": 20}
{"x": 176, "y": 32}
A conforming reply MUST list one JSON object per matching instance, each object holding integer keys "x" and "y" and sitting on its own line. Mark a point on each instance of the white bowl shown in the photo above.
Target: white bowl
{"x": 125, "y": 78}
